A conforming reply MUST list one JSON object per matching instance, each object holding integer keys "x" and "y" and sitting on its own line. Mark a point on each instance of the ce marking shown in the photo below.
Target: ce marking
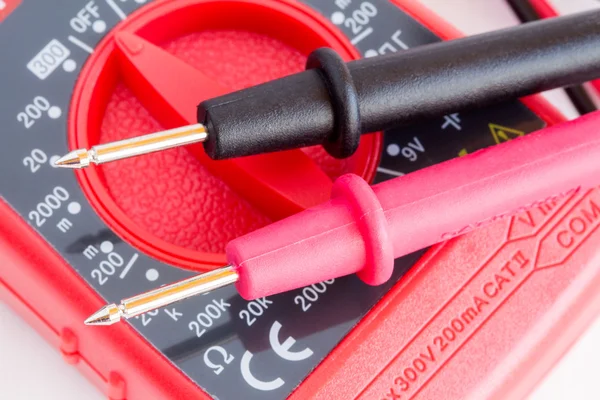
{"x": 282, "y": 350}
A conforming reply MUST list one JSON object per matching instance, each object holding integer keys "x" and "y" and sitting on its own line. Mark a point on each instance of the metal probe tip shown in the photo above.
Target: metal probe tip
{"x": 136, "y": 146}
{"x": 107, "y": 315}
{"x": 163, "y": 296}
{"x": 74, "y": 159}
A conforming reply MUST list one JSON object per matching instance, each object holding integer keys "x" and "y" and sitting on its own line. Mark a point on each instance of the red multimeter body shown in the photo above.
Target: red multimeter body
{"x": 482, "y": 316}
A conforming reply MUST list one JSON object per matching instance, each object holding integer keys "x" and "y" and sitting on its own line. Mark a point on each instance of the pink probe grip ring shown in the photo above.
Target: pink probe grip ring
{"x": 372, "y": 225}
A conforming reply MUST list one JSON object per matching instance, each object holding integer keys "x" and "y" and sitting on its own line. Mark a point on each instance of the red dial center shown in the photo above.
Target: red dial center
{"x": 149, "y": 74}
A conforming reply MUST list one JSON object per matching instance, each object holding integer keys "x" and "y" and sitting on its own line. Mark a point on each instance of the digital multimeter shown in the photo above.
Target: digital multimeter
{"x": 480, "y": 316}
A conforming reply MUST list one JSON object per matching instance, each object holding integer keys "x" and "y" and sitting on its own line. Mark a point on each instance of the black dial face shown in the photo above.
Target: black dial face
{"x": 263, "y": 348}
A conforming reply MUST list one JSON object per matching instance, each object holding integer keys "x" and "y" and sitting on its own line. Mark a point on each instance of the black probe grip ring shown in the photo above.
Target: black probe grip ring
{"x": 345, "y": 137}
{"x": 319, "y": 106}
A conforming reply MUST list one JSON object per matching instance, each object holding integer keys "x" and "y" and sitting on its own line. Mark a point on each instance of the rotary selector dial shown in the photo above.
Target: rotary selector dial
{"x": 148, "y": 74}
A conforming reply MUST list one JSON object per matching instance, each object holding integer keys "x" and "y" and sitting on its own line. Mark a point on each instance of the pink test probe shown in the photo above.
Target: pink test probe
{"x": 362, "y": 229}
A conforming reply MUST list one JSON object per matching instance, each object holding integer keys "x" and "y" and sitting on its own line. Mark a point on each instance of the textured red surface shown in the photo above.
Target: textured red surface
{"x": 171, "y": 195}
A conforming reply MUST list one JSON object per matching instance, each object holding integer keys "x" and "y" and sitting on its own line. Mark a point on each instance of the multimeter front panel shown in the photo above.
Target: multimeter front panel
{"x": 225, "y": 345}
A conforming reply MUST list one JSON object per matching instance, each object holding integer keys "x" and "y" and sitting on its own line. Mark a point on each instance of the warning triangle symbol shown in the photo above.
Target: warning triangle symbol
{"x": 503, "y": 133}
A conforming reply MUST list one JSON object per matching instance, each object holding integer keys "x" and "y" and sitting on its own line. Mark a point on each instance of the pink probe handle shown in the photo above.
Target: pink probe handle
{"x": 362, "y": 229}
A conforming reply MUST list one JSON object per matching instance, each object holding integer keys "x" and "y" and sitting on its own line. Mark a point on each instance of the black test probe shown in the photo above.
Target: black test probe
{"x": 333, "y": 102}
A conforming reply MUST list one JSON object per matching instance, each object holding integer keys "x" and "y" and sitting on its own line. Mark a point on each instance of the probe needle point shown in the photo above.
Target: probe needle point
{"x": 107, "y": 315}
{"x": 74, "y": 159}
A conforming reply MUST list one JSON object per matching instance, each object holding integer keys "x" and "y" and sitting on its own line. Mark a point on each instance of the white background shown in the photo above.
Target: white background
{"x": 31, "y": 369}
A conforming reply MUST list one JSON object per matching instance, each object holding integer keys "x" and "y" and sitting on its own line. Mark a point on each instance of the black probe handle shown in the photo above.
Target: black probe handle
{"x": 336, "y": 102}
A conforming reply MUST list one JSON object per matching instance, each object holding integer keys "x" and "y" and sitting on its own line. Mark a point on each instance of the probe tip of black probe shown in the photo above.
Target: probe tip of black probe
{"x": 74, "y": 159}
{"x": 136, "y": 146}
